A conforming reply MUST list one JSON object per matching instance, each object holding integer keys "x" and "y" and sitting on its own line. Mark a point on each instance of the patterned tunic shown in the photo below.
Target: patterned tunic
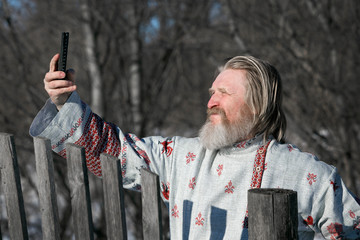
{"x": 206, "y": 191}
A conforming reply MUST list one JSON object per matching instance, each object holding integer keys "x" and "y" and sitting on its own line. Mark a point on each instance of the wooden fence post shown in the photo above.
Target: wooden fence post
{"x": 113, "y": 197}
{"x": 80, "y": 193}
{"x": 46, "y": 188}
{"x": 151, "y": 209}
{"x": 10, "y": 177}
{"x": 273, "y": 214}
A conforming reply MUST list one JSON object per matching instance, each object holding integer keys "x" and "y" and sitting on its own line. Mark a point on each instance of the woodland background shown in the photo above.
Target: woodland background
{"x": 146, "y": 65}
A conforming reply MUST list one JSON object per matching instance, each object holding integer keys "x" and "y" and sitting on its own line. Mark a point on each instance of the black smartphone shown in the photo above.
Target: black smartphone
{"x": 63, "y": 51}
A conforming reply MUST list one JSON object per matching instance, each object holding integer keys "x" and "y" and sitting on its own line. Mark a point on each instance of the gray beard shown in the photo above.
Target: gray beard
{"x": 224, "y": 134}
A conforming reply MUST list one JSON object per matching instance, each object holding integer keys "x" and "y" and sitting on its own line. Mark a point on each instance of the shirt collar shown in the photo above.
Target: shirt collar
{"x": 244, "y": 146}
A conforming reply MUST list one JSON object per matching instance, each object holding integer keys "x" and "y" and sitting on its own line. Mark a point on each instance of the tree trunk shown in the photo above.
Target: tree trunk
{"x": 97, "y": 98}
{"x": 135, "y": 71}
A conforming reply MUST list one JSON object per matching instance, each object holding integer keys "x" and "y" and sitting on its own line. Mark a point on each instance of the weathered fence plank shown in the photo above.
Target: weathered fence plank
{"x": 46, "y": 189}
{"x": 151, "y": 209}
{"x": 10, "y": 177}
{"x": 113, "y": 197}
{"x": 272, "y": 214}
{"x": 80, "y": 193}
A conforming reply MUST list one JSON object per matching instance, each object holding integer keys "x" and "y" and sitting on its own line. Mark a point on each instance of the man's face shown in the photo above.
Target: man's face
{"x": 227, "y": 103}
{"x": 229, "y": 117}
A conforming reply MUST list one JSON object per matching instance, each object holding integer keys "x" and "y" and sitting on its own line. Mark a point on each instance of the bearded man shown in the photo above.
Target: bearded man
{"x": 205, "y": 180}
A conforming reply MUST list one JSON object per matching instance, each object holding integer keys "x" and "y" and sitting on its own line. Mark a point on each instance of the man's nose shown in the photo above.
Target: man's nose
{"x": 213, "y": 101}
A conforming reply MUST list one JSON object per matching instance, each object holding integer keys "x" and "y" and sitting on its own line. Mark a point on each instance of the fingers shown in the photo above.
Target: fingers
{"x": 54, "y": 62}
{"x": 55, "y": 93}
{"x": 59, "y": 84}
{"x": 56, "y": 79}
{"x": 51, "y": 76}
{"x": 56, "y": 86}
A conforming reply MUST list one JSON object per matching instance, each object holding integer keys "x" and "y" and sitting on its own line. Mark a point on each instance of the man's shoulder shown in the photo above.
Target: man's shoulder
{"x": 289, "y": 154}
{"x": 288, "y": 150}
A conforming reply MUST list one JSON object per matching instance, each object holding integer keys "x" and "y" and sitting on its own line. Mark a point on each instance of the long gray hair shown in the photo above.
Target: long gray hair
{"x": 264, "y": 95}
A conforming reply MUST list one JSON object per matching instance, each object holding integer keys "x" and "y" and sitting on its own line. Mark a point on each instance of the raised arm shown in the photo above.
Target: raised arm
{"x": 76, "y": 123}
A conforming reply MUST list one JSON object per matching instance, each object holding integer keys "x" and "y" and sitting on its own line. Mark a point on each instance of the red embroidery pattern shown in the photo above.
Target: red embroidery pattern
{"x": 123, "y": 165}
{"x": 165, "y": 190}
{"x": 73, "y": 128}
{"x": 99, "y": 137}
{"x": 123, "y": 149}
{"x": 175, "y": 212}
{"x": 290, "y": 147}
{"x": 62, "y": 153}
{"x": 143, "y": 154}
{"x": 309, "y": 220}
{"x": 352, "y": 214}
{"x": 133, "y": 137}
{"x": 123, "y": 159}
{"x": 192, "y": 183}
{"x": 311, "y": 178}
{"x": 229, "y": 188}
{"x": 336, "y": 230}
{"x": 132, "y": 141}
{"x": 259, "y": 165}
{"x": 219, "y": 169}
{"x": 166, "y": 148}
{"x": 199, "y": 220}
{"x": 190, "y": 157}
{"x": 241, "y": 144}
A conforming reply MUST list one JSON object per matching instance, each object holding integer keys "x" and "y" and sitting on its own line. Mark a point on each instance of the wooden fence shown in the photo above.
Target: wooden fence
{"x": 80, "y": 196}
{"x": 114, "y": 208}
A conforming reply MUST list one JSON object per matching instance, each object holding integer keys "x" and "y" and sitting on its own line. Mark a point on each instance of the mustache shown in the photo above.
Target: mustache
{"x": 216, "y": 110}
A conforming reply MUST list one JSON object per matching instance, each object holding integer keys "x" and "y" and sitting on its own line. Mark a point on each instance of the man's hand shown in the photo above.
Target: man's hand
{"x": 58, "y": 88}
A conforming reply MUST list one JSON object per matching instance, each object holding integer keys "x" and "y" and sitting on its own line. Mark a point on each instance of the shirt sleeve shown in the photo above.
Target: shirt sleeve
{"x": 76, "y": 123}
{"x": 337, "y": 210}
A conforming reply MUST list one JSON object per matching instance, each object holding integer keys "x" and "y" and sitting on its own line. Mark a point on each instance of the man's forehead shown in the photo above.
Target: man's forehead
{"x": 230, "y": 78}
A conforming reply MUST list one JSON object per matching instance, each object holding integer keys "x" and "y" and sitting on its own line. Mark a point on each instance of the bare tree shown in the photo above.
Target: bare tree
{"x": 97, "y": 98}
{"x": 150, "y": 64}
